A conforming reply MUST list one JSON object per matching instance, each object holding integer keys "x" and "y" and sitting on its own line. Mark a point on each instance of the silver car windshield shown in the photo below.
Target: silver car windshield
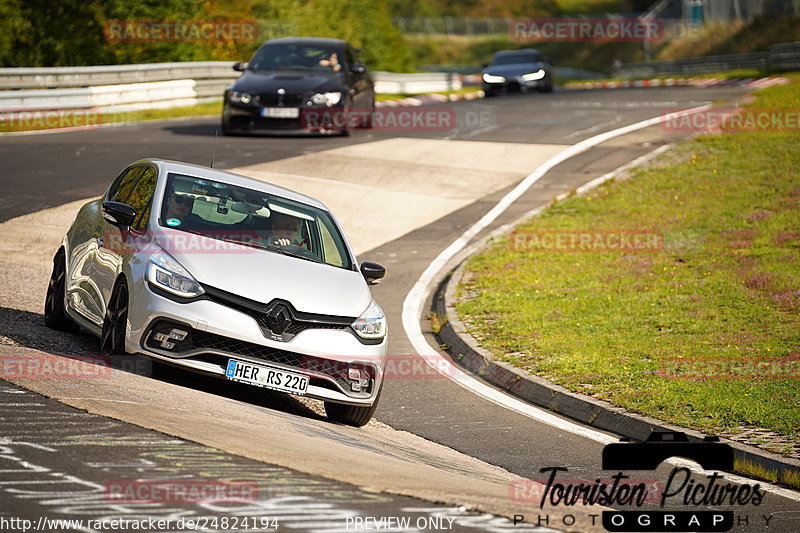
{"x": 252, "y": 218}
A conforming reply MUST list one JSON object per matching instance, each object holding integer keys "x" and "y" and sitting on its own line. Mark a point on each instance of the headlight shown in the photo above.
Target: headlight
{"x": 164, "y": 272}
{"x": 240, "y": 98}
{"x": 372, "y": 322}
{"x": 533, "y": 76}
{"x": 488, "y": 78}
{"x": 327, "y": 99}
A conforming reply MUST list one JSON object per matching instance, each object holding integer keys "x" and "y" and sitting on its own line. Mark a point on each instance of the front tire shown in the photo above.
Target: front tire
{"x": 115, "y": 323}
{"x": 55, "y": 315}
{"x": 352, "y": 415}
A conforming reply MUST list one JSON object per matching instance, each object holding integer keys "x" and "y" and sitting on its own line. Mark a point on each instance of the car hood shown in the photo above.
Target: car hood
{"x": 516, "y": 69}
{"x": 292, "y": 81}
{"x": 262, "y": 276}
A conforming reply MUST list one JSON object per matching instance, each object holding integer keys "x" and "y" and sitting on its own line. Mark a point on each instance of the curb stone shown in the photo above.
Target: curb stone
{"x": 465, "y": 350}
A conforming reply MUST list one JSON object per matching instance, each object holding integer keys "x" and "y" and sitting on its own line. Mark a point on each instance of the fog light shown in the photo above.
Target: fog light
{"x": 165, "y": 340}
{"x": 178, "y": 334}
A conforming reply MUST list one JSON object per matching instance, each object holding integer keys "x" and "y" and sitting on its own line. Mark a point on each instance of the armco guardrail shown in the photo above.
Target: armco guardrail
{"x": 126, "y": 87}
{"x": 65, "y": 77}
{"x": 779, "y": 57}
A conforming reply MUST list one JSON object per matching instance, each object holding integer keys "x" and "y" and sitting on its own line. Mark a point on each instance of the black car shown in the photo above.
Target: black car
{"x": 517, "y": 70}
{"x": 300, "y": 85}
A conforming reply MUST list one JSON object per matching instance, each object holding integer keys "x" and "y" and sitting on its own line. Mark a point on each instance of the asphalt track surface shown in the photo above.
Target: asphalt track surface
{"x": 49, "y": 170}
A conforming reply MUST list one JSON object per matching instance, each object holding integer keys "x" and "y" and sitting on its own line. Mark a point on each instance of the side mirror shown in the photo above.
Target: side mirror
{"x": 240, "y": 66}
{"x": 118, "y": 214}
{"x": 372, "y": 272}
{"x": 358, "y": 68}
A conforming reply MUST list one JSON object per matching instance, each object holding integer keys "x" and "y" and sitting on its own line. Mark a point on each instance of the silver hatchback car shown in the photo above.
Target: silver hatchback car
{"x": 228, "y": 276}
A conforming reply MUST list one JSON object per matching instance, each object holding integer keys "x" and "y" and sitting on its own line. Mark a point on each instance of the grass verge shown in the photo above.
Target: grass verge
{"x": 703, "y": 328}
{"x": 65, "y": 118}
{"x": 462, "y": 91}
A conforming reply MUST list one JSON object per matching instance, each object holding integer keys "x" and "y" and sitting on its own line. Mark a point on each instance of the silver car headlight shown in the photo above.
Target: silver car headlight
{"x": 372, "y": 322}
{"x": 240, "y": 98}
{"x": 165, "y": 273}
{"x": 488, "y": 78}
{"x": 328, "y": 99}
{"x": 533, "y": 76}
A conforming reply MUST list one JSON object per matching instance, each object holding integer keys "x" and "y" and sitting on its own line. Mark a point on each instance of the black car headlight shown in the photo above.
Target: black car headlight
{"x": 241, "y": 98}
{"x": 489, "y": 78}
{"x": 533, "y": 76}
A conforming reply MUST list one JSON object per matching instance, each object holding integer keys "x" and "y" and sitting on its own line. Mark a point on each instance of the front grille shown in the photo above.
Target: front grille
{"x": 261, "y": 313}
{"x": 287, "y": 100}
{"x": 197, "y": 341}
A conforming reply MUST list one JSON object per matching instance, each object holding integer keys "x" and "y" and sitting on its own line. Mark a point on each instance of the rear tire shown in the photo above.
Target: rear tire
{"x": 352, "y": 415}
{"x": 55, "y": 315}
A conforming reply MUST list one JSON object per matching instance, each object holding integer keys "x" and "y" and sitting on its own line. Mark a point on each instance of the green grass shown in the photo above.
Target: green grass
{"x": 705, "y": 332}
{"x": 40, "y": 121}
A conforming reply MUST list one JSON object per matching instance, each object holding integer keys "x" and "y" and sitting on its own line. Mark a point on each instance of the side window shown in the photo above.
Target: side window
{"x": 122, "y": 189}
{"x": 141, "y": 198}
{"x": 333, "y": 255}
{"x": 350, "y": 56}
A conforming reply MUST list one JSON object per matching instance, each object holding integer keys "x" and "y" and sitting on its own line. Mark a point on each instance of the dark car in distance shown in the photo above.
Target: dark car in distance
{"x": 300, "y": 85}
{"x": 517, "y": 70}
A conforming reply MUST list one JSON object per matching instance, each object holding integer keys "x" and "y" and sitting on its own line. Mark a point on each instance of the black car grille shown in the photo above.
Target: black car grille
{"x": 197, "y": 341}
{"x": 261, "y": 313}
{"x": 287, "y": 100}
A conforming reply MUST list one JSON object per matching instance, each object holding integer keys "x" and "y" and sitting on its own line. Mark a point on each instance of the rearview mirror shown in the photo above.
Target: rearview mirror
{"x": 240, "y": 66}
{"x": 372, "y": 272}
{"x": 118, "y": 214}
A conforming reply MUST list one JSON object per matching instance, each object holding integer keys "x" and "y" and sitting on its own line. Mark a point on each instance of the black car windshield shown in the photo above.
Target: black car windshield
{"x": 252, "y": 218}
{"x": 296, "y": 57}
{"x": 513, "y": 59}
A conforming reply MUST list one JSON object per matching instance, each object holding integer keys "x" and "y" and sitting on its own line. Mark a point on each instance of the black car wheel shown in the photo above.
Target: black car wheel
{"x": 55, "y": 315}
{"x": 115, "y": 323}
{"x": 351, "y": 415}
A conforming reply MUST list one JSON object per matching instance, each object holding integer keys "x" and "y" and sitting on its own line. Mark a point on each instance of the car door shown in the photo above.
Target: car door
{"x": 112, "y": 239}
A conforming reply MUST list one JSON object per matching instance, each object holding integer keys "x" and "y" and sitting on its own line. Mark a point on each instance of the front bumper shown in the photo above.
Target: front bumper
{"x": 248, "y": 119}
{"x": 218, "y": 333}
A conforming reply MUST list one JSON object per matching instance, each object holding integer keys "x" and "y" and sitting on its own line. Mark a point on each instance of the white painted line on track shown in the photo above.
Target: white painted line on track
{"x": 415, "y": 299}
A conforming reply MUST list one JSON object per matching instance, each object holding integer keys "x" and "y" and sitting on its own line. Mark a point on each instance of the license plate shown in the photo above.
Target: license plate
{"x": 267, "y": 377}
{"x": 280, "y": 112}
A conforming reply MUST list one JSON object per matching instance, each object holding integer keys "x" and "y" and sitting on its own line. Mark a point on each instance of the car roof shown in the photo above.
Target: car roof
{"x": 166, "y": 166}
{"x": 319, "y": 41}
